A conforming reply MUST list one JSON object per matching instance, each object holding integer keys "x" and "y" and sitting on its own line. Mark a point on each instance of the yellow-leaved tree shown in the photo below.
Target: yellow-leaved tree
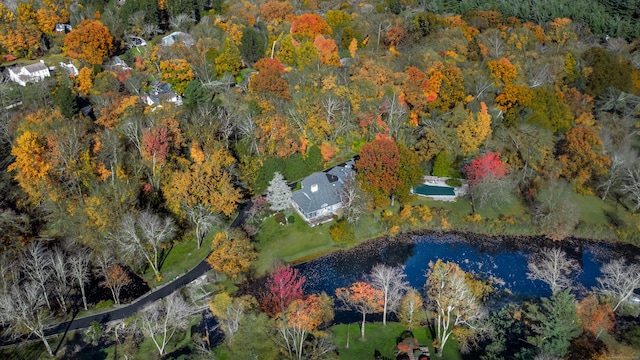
{"x": 232, "y": 253}
{"x": 90, "y": 41}
{"x": 473, "y": 132}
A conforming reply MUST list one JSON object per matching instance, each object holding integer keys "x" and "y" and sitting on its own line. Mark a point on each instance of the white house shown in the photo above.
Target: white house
{"x": 319, "y": 197}
{"x": 69, "y": 68}
{"x": 29, "y": 74}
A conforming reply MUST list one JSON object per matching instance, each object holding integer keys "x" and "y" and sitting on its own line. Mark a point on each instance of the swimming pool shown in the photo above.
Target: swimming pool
{"x": 434, "y": 190}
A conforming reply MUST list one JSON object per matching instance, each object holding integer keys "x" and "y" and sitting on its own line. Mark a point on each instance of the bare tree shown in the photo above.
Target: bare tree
{"x": 181, "y": 22}
{"x": 144, "y": 235}
{"x": 619, "y": 280}
{"x": 79, "y": 271}
{"x": 203, "y": 219}
{"x": 160, "y": 320}
{"x": 60, "y": 267}
{"x": 391, "y": 281}
{"x": 137, "y": 21}
{"x": 630, "y": 186}
{"x": 24, "y": 307}
{"x": 36, "y": 265}
{"x": 495, "y": 42}
{"x": 553, "y": 267}
{"x": 354, "y": 202}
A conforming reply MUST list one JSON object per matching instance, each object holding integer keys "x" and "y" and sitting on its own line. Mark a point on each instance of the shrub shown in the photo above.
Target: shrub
{"x": 453, "y": 182}
{"x": 291, "y": 219}
{"x": 280, "y": 218}
{"x": 342, "y": 232}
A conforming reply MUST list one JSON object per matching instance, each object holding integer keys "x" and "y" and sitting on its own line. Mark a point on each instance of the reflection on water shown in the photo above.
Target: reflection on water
{"x": 500, "y": 261}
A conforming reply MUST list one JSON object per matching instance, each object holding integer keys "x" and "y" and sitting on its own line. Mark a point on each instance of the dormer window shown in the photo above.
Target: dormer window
{"x": 314, "y": 188}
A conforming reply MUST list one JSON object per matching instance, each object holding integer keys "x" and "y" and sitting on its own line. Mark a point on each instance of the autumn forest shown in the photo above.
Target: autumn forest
{"x": 158, "y": 122}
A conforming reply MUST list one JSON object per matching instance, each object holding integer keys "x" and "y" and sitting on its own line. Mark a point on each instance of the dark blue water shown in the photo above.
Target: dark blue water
{"x": 506, "y": 267}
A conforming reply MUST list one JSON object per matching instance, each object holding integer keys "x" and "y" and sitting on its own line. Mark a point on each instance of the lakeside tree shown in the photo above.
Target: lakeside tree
{"x": 554, "y": 211}
{"x": 363, "y": 298}
{"x": 391, "y": 281}
{"x": 553, "y": 267}
{"x": 302, "y": 317}
{"x": 230, "y": 311}
{"x": 454, "y": 305}
{"x": 618, "y": 281}
{"x": 283, "y": 287}
{"x": 412, "y": 312}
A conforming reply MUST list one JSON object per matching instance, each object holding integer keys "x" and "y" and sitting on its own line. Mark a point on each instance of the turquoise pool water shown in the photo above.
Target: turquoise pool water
{"x": 433, "y": 190}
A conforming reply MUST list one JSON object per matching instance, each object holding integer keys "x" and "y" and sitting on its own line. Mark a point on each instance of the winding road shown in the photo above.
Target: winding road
{"x": 126, "y": 311}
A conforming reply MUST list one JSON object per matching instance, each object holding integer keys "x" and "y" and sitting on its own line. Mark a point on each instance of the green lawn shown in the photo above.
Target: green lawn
{"x": 290, "y": 242}
{"x": 383, "y": 339}
{"x": 181, "y": 257}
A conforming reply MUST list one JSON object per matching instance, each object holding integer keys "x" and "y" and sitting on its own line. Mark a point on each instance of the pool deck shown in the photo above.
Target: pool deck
{"x": 441, "y": 181}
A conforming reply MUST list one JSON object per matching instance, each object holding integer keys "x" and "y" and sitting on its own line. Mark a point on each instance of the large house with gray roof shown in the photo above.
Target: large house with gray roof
{"x": 319, "y": 199}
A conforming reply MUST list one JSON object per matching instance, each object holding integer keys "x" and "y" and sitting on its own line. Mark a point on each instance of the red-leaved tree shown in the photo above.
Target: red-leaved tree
{"x": 378, "y": 169}
{"x": 283, "y": 287}
{"x": 485, "y": 167}
{"x": 267, "y": 82}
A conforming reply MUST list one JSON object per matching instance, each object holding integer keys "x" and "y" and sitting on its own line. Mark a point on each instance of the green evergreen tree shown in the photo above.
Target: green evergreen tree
{"x": 66, "y": 101}
{"x": 195, "y": 94}
{"x": 553, "y": 323}
{"x": 252, "y": 45}
{"x": 314, "y": 159}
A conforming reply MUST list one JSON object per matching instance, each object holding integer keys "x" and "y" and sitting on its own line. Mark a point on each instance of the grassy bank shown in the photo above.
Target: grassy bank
{"x": 383, "y": 339}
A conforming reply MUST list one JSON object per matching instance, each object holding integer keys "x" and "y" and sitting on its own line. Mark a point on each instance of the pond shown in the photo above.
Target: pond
{"x": 502, "y": 260}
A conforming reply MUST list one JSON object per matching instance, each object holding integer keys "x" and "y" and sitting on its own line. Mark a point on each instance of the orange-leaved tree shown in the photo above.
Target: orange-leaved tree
{"x": 301, "y": 317}
{"x": 363, "y": 298}
{"x": 308, "y": 26}
{"x": 595, "y": 317}
{"x": 268, "y": 81}
{"x": 328, "y": 51}
{"x": 90, "y": 41}
{"x": 232, "y": 253}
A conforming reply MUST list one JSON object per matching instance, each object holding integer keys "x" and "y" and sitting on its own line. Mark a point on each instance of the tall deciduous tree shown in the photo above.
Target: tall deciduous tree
{"x": 283, "y": 287}
{"x": 555, "y": 211}
{"x": 453, "y": 304}
{"x": 89, "y": 41}
{"x": 412, "y": 312}
{"x": 24, "y": 306}
{"x": 228, "y": 59}
{"x": 391, "y": 281}
{"x": 486, "y": 166}
{"x": 79, "y": 271}
{"x": 145, "y": 235}
{"x": 230, "y": 311}
{"x": 582, "y": 157}
{"x": 303, "y": 316}
{"x": 363, "y": 298}
{"x": 203, "y": 219}
{"x": 552, "y": 267}
{"x": 595, "y": 317}
{"x": 178, "y": 73}
{"x": 232, "y": 253}
{"x": 618, "y": 281}
{"x": 473, "y": 132}
{"x": 378, "y": 169}
{"x": 279, "y": 193}
{"x": 163, "y": 318}
{"x": 268, "y": 81}
{"x": 115, "y": 278}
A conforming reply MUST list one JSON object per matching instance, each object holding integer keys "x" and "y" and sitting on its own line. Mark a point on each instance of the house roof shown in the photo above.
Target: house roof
{"x": 39, "y": 66}
{"x": 327, "y": 186}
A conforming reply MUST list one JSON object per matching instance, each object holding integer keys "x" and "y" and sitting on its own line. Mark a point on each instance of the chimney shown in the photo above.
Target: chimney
{"x": 314, "y": 188}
